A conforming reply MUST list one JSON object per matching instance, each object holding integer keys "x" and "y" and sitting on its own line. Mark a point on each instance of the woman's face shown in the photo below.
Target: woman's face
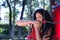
{"x": 39, "y": 17}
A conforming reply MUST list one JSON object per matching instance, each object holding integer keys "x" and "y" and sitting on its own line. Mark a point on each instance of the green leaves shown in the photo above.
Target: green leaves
{"x": 0, "y": 30}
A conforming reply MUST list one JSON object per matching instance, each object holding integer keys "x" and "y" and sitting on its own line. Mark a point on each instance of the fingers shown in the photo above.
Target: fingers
{"x": 37, "y": 25}
{"x": 30, "y": 24}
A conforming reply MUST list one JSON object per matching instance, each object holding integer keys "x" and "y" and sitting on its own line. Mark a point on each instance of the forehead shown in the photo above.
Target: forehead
{"x": 38, "y": 14}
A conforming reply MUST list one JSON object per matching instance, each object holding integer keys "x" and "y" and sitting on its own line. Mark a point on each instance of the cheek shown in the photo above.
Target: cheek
{"x": 40, "y": 19}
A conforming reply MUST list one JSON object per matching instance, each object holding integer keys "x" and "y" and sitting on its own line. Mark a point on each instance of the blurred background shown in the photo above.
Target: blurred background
{"x": 14, "y": 10}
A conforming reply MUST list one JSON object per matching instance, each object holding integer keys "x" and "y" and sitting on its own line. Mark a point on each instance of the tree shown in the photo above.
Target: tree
{"x": 28, "y": 6}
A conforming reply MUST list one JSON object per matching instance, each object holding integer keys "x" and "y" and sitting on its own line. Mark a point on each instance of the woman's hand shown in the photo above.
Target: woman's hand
{"x": 37, "y": 25}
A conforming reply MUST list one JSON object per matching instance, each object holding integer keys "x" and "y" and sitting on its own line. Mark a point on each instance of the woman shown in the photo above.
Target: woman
{"x": 41, "y": 30}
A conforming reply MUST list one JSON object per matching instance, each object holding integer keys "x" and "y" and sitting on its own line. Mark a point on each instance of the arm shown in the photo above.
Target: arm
{"x": 37, "y": 34}
{"x": 37, "y": 26}
{"x": 21, "y": 23}
{"x": 47, "y": 36}
{"x": 25, "y": 22}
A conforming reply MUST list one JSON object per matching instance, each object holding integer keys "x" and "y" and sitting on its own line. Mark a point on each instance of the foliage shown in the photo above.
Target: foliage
{"x": 0, "y": 30}
{"x": 4, "y": 29}
{"x": 30, "y": 7}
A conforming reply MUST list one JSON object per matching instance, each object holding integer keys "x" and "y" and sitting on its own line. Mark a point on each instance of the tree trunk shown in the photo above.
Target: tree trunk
{"x": 10, "y": 17}
{"x": 20, "y": 28}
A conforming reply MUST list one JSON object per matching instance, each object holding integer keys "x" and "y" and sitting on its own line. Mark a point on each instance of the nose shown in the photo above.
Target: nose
{"x": 37, "y": 19}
